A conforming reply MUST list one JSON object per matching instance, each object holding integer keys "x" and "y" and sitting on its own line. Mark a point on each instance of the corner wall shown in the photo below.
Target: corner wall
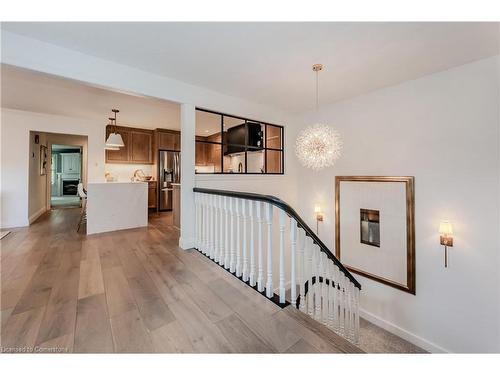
{"x": 444, "y": 130}
{"x": 16, "y": 150}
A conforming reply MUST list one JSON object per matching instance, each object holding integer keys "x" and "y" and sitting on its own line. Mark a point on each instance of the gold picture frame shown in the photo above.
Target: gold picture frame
{"x": 409, "y": 182}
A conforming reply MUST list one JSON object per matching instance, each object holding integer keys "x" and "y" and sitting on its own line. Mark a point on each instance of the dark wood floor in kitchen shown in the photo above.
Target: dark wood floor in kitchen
{"x": 136, "y": 291}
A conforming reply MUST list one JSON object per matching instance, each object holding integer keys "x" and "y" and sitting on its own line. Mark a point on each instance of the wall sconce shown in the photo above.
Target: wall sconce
{"x": 319, "y": 216}
{"x": 446, "y": 239}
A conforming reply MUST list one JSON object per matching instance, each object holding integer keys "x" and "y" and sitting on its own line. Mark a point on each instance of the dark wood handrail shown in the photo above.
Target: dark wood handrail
{"x": 290, "y": 212}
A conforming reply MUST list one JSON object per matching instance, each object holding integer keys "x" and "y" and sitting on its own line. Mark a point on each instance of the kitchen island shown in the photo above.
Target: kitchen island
{"x": 116, "y": 205}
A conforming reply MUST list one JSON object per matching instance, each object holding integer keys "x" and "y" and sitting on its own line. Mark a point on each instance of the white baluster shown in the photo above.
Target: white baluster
{"x": 356, "y": 318}
{"x": 269, "y": 283}
{"x": 227, "y": 244}
{"x": 245, "y": 229}
{"x": 204, "y": 224}
{"x": 260, "y": 275}
{"x": 215, "y": 205}
{"x": 210, "y": 227}
{"x": 232, "y": 259}
{"x": 196, "y": 221}
{"x": 352, "y": 309}
{"x": 336, "y": 299}
{"x": 253, "y": 280}
{"x": 238, "y": 238}
{"x": 302, "y": 269}
{"x": 324, "y": 288}
{"x": 329, "y": 270}
{"x": 310, "y": 287}
{"x": 317, "y": 286}
{"x": 198, "y": 214}
{"x": 347, "y": 323}
{"x": 213, "y": 219}
{"x": 341, "y": 304}
{"x": 293, "y": 267}
{"x": 282, "y": 256}
{"x": 221, "y": 229}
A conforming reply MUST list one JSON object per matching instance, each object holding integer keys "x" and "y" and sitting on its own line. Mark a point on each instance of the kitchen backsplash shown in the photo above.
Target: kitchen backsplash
{"x": 124, "y": 172}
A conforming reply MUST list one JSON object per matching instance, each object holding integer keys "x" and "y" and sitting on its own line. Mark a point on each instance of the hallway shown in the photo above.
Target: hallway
{"x": 136, "y": 291}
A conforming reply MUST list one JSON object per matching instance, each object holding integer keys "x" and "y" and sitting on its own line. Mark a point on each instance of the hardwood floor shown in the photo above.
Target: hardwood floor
{"x": 136, "y": 291}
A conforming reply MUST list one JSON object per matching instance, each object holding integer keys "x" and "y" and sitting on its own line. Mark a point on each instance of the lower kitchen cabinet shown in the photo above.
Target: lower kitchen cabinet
{"x": 152, "y": 194}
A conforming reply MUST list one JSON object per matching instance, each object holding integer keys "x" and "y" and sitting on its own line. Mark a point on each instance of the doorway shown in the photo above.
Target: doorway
{"x": 66, "y": 174}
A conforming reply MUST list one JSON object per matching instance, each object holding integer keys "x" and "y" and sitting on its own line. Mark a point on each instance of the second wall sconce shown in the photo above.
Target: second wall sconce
{"x": 446, "y": 239}
{"x": 319, "y": 216}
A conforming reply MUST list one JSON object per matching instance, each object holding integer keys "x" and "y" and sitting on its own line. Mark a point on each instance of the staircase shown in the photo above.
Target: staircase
{"x": 238, "y": 231}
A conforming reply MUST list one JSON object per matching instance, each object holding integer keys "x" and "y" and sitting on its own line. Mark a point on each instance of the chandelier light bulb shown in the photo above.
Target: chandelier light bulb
{"x": 318, "y": 146}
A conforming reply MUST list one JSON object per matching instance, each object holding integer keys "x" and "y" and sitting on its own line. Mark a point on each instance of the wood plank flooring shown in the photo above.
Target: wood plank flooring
{"x": 136, "y": 291}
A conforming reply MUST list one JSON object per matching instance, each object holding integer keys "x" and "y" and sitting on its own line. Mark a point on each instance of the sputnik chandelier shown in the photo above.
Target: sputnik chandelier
{"x": 318, "y": 146}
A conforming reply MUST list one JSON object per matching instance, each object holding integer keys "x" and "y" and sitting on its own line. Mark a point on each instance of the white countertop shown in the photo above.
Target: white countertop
{"x": 117, "y": 182}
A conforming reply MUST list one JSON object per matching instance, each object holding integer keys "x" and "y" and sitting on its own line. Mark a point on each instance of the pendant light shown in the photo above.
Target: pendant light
{"x": 114, "y": 139}
{"x": 318, "y": 146}
{"x": 111, "y": 148}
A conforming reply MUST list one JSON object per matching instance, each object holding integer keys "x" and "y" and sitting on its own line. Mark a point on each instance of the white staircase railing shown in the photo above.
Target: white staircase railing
{"x": 236, "y": 230}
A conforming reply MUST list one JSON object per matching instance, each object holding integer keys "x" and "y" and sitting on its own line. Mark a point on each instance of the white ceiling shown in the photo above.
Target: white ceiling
{"x": 26, "y": 90}
{"x": 271, "y": 62}
{"x": 36, "y": 92}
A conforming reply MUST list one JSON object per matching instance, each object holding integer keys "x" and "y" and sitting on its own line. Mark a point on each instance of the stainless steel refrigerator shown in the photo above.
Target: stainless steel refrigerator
{"x": 170, "y": 172}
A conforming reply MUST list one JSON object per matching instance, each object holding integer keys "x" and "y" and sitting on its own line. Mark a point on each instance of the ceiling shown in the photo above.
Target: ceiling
{"x": 271, "y": 62}
{"x": 26, "y": 90}
{"x": 36, "y": 92}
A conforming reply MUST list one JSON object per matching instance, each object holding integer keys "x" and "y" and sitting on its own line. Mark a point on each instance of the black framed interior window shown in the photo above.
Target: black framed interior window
{"x": 227, "y": 144}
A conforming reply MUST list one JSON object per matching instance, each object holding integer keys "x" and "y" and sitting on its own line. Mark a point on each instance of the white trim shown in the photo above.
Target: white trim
{"x": 10, "y": 225}
{"x": 37, "y": 214}
{"x": 404, "y": 334}
{"x": 187, "y": 243}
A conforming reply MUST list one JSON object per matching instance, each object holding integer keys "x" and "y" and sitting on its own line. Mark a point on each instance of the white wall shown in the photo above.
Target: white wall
{"x": 444, "y": 130}
{"x": 15, "y": 148}
{"x": 37, "y": 202}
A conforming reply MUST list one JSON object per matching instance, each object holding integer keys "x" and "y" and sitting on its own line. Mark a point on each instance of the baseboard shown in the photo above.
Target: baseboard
{"x": 9, "y": 226}
{"x": 404, "y": 334}
{"x": 186, "y": 243}
{"x": 37, "y": 214}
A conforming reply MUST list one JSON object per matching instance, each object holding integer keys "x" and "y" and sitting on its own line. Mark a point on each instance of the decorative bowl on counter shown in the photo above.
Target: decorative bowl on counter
{"x": 140, "y": 176}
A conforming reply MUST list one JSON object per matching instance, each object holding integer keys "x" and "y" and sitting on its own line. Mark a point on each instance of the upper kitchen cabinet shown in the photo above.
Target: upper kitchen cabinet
{"x": 70, "y": 163}
{"x": 168, "y": 140}
{"x": 138, "y": 147}
{"x": 121, "y": 155}
{"x": 141, "y": 147}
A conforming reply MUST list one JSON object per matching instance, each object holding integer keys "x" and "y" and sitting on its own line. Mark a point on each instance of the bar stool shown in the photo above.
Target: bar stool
{"x": 83, "y": 213}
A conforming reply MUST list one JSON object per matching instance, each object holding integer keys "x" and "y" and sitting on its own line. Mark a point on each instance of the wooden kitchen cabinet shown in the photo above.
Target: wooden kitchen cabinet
{"x": 138, "y": 147}
{"x": 201, "y": 152}
{"x": 141, "y": 147}
{"x": 176, "y": 206}
{"x": 169, "y": 140}
{"x": 152, "y": 194}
